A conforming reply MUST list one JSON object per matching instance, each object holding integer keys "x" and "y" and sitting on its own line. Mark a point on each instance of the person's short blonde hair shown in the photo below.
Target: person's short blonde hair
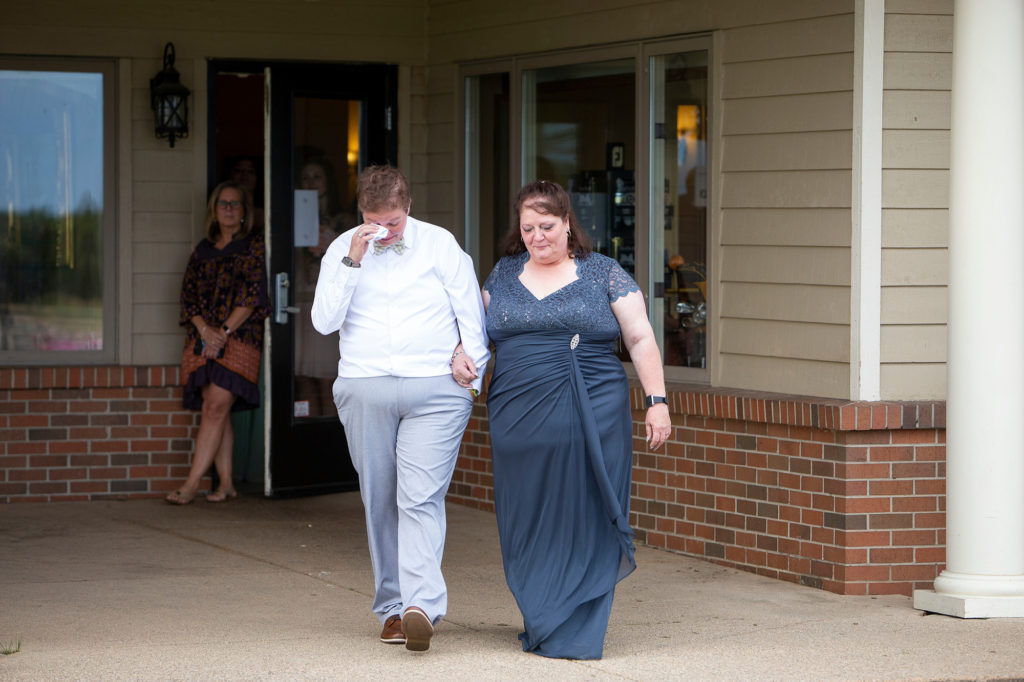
{"x": 382, "y": 188}
{"x": 212, "y": 226}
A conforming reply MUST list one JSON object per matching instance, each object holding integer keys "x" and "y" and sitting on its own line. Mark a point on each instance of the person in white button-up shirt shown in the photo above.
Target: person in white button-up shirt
{"x": 404, "y": 300}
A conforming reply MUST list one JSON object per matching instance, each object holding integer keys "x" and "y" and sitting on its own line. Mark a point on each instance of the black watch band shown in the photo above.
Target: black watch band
{"x": 350, "y": 263}
{"x": 653, "y": 400}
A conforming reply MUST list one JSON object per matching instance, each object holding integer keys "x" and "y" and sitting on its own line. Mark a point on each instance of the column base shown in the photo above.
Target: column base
{"x": 963, "y": 606}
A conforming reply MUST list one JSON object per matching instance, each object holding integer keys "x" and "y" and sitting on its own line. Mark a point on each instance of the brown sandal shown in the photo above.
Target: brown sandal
{"x": 222, "y": 495}
{"x": 179, "y": 498}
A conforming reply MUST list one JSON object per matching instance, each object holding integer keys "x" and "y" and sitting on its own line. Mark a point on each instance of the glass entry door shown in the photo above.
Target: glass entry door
{"x": 327, "y": 135}
{"x": 326, "y": 123}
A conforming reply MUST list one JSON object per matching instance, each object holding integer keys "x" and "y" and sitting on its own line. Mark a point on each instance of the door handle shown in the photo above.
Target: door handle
{"x": 281, "y": 307}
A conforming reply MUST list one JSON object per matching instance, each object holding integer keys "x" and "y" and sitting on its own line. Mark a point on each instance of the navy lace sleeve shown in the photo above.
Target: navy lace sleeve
{"x": 619, "y": 282}
{"x": 492, "y": 278}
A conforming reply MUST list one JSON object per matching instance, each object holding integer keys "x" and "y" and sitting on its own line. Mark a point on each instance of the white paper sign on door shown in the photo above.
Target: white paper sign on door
{"x": 307, "y": 218}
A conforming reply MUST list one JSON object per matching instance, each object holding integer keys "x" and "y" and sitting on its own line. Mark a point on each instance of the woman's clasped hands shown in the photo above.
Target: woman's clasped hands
{"x": 214, "y": 341}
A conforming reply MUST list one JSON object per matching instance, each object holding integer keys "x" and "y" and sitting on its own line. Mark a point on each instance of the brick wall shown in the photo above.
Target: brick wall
{"x": 88, "y": 433}
{"x": 847, "y": 497}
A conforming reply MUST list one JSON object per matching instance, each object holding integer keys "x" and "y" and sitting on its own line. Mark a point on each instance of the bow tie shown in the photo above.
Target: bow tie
{"x": 398, "y": 247}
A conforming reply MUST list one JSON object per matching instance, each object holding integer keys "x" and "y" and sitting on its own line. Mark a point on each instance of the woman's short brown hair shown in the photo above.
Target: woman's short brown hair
{"x": 212, "y": 226}
{"x": 548, "y": 198}
{"x": 382, "y": 188}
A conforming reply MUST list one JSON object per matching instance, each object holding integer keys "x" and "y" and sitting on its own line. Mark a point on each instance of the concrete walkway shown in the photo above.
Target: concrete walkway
{"x": 280, "y": 590}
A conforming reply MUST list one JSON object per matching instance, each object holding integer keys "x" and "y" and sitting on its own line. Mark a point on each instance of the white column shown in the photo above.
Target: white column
{"x": 984, "y": 574}
{"x": 866, "y": 213}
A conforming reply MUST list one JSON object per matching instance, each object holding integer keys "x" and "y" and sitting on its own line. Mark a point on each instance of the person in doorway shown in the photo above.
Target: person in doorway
{"x": 223, "y": 304}
{"x": 316, "y": 355}
{"x": 560, "y": 421}
{"x": 403, "y": 297}
{"x": 245, "y": 171}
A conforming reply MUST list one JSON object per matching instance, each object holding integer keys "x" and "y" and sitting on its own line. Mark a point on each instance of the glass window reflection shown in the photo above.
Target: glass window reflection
{"x": 579, "y": 127}
{"x": 487, "y": 167}
{"x": 327, "y": 159}
{"x": 679, "y": 90}
{"x": 52, "y": 226}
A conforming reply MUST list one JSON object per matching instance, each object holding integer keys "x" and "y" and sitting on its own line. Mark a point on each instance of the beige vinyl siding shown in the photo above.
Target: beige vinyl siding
{"x": 465, "y": 30}
{"x": 786, "y": 227}
{"x": 810, "y": 303}
{"x": 784, "y": 193}
{"x": 767, "y": 373}
{"x": 165, "y": 198}
{"x": 265, "y": 29}
{"x": 436, "y": 176}
{"x": 915, "y": 198}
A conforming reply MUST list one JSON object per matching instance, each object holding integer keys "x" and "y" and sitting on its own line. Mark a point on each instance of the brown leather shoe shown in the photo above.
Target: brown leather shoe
{"x": 392, "y": 632}
{"x": 417, "y": 628}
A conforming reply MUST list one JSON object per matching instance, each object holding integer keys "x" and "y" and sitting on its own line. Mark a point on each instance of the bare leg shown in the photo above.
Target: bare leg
{"x": 222, "y": 461}
{"x": 216, "y": 409}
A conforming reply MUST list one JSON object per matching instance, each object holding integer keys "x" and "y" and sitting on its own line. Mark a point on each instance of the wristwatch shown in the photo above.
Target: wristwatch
{"x": 350, "y": 263}
{"x": 652, "y": 400}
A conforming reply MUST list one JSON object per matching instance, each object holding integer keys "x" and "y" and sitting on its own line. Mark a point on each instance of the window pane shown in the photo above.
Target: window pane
{"x": 678, "y": 158}
{"x": 578, "y": 130}
{"x": 51, "y": 230}
{"x": 487, "y": 168}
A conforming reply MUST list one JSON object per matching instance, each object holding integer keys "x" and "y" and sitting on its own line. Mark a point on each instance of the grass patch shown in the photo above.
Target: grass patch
{"x": 8, "y": 648}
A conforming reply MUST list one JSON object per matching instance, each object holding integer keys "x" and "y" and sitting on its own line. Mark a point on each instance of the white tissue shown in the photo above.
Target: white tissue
{"x": 381, "y": 233}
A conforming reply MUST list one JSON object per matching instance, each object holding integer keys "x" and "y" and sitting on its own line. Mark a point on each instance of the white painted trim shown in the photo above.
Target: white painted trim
{"x": 866, "y": 202}
{"x": 716, "y": 182}
{"x": 968, "y": 607}
{"x": 125, "y": 269}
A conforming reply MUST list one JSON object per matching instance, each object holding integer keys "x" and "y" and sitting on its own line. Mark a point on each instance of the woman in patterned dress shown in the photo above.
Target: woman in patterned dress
{"x": 223, "y": 304}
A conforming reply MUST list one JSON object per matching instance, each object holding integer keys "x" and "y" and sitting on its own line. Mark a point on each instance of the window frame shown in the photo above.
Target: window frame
{"x": 641, "y": 52}
{"x": 465, "y": 202}
{"x": 108, "y": 69}
{"x": 650, "y": 50}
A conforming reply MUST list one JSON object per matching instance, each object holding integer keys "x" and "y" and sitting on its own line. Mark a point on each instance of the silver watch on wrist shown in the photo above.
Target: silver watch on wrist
{"x": 350, "y": 263}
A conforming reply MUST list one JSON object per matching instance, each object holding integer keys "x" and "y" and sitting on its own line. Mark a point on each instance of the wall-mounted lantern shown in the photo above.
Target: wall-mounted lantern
{"x": 169, "y": 99}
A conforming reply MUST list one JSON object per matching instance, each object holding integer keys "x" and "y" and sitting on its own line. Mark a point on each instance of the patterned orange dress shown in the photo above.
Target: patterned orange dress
{"x": 216, "y": 282}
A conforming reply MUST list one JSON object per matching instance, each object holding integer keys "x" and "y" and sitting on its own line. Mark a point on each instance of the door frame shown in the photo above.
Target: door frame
{"x": 325, "y": 78}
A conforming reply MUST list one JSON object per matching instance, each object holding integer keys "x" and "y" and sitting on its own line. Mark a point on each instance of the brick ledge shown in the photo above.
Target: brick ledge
{"x": 805, "y": 411}
{"x": 113, "y": 376}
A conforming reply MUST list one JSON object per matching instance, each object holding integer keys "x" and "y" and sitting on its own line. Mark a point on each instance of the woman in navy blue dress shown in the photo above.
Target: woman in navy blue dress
{"x": 560, "y": 421}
